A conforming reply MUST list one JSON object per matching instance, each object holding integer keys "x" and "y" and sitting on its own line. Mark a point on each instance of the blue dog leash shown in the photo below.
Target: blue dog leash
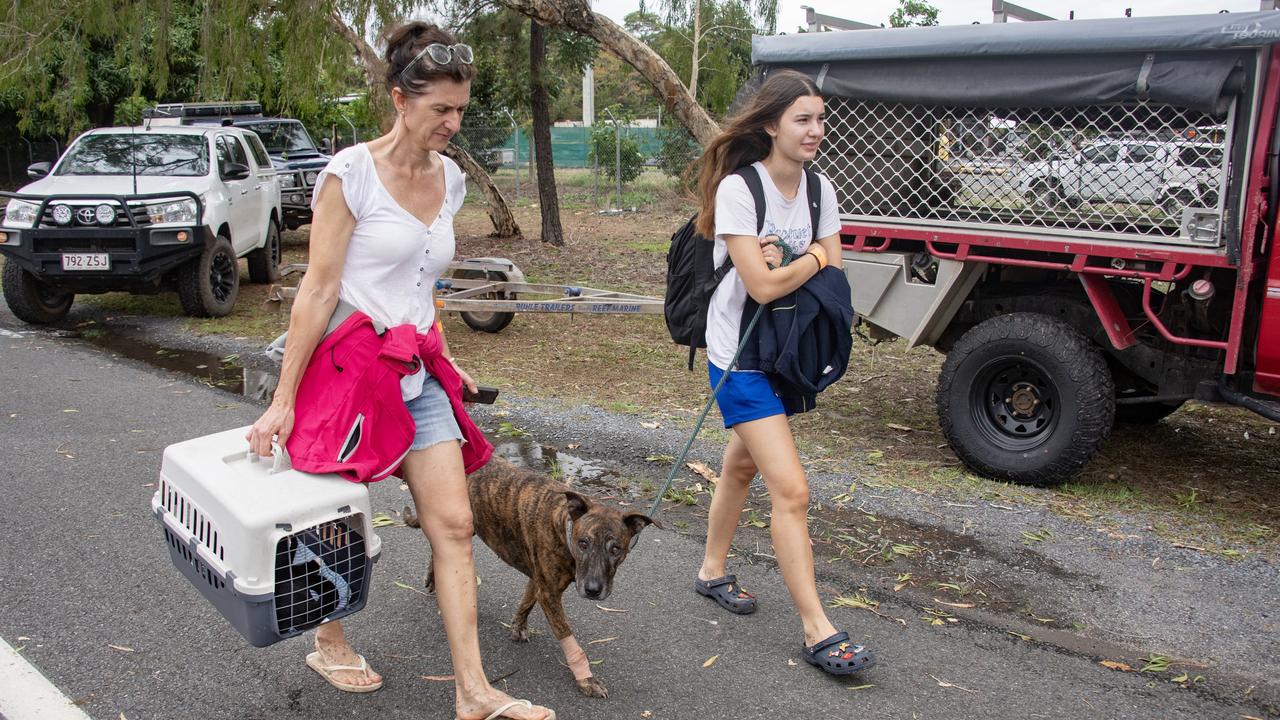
{"x": 787, "y": 256}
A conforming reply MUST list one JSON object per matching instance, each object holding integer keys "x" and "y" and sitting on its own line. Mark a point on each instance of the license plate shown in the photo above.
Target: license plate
{"x": 86, "y": 261}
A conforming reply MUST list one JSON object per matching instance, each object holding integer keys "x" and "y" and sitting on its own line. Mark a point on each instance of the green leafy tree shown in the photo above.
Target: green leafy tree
{"x": 913, "y": 13}
{"x": 705, "y": 23}
{"x": 67, "y": 64}
{"x": 678, "y": 152}
{"x": 715, "y": 56}
{"x": 607, "y": 151}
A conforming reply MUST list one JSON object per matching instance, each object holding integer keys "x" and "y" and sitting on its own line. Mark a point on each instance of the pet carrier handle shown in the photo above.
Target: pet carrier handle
{"x": 278, "y": 453}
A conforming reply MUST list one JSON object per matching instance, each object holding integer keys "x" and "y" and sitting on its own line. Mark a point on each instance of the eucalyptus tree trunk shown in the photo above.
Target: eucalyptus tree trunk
{"x": 548, "y": 199}
{"x": 578, "y": 16}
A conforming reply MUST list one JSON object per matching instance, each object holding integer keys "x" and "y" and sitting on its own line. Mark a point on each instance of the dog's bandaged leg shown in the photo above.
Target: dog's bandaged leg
{"x": 576, "y": 657}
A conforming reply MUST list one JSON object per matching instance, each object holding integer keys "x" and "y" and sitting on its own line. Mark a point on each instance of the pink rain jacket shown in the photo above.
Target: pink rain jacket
{"x": 349, "y": 415}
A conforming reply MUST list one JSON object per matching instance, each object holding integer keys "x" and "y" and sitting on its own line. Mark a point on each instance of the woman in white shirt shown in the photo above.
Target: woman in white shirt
{"x": 381, "y": 235}
{"x": 777, "y": 132}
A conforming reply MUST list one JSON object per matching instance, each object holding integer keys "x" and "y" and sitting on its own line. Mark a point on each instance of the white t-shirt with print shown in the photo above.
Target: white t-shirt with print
{"x": 393, "y": 258}
{"x": 736, "y": 215}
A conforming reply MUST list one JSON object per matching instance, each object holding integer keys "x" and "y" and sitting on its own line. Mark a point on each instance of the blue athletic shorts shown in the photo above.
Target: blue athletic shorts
{"x": 745, "y": 396}
{"x": 433, "y": 416}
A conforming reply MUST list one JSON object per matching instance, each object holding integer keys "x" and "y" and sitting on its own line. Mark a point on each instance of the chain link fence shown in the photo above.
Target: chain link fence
{"x": 570, "y": 146}
{"x": 1133, "y": 172}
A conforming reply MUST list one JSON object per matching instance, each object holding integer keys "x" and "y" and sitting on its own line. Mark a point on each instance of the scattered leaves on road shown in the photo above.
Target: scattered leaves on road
{"x": 1037, "y": 536}
{"x": 406, "y": 586}
{"x": 705, "y": 472}
{"x": 945, "y": 684}
{"x": 857, "y": 602}
{"x": 1155, "y": 663}
{"x": 381, "y": 520}
{"x": 122, "y": 648}
{"x": 609, "y": 609}
{"x": 711, "y": 661}
{"x": 1116, "y": 665}
{"x": 506, "y": 429}
{"x": 602, "y": 641}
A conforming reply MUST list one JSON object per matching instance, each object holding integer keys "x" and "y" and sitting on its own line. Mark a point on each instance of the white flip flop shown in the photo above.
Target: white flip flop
{"x": 316, "y": 662}
{"x": 516, "y": 703}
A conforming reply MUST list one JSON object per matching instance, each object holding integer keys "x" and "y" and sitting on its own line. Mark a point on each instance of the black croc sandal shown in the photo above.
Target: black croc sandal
{"x": 728, "y": 593}
{"x": 838, "y": 656}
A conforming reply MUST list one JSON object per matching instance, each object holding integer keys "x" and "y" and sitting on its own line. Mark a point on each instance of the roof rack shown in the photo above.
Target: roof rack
{"x": 189, "y": 112}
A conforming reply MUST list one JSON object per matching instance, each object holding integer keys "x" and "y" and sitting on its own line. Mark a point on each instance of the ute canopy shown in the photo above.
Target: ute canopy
{"x": 1193, "y": 61}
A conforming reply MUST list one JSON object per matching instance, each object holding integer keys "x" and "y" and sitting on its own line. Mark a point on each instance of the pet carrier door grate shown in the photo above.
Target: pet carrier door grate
{"x": 319, "y": 572}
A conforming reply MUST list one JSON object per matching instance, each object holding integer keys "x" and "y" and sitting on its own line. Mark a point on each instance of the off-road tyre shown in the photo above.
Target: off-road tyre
{"x": 1026, "y": 398}
{"x": 264, "y": 263}
{"x": 1046, "y": 194}
{"x": 31, "y": 300}
{"x": 208, "y": 286}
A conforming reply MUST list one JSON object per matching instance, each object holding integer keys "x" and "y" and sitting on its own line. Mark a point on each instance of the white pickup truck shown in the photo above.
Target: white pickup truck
{"x": 143, "y": 210}
{"x": 1171, "y": 173}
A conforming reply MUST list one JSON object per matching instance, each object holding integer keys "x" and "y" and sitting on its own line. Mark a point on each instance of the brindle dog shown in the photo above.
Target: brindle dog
{"x": 554, "y": 536}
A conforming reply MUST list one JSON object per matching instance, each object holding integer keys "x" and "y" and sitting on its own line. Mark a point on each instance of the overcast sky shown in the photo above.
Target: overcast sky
{"x": 791, "y": 15}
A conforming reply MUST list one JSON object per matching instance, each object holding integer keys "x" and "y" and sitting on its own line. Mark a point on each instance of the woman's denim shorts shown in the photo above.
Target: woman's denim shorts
{"x": 433, "y": 415}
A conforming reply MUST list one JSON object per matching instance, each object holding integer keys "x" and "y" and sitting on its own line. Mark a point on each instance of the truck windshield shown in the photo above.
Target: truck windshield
{"x": 1201, "y": 157}
{"x": 149, "y": 154}
{"x": 282, "y": 138}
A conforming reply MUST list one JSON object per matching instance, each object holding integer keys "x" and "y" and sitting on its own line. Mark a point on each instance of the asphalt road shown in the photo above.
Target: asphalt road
{"x": 88, "y": 593}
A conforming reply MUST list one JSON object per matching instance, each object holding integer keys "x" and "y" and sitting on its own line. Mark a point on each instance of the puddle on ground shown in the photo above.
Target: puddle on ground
{"x": 529, "y": 453}
{"x": 224, "y": 372}
{"x": 228, "y": 373}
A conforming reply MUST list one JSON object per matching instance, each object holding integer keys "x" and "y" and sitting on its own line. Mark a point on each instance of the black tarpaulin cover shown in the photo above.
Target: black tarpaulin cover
{"x": 1194, "y": 61}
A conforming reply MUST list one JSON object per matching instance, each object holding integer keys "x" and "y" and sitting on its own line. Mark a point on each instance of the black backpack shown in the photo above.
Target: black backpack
{"x": 691, "y": 275}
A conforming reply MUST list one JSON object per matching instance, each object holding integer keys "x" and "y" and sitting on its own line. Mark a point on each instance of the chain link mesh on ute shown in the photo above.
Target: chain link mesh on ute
{"x": 1144, "y": 172}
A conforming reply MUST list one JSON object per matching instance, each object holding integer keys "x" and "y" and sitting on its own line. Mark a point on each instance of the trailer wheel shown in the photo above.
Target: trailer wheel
{"x": 1026, "y": 398}
{"x": 31, "y": 300}
{"x": 490, "y": 322}
{"x": 1146, "y": 413}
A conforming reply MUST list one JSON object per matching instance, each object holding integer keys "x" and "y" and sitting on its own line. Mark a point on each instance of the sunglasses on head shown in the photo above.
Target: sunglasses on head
{"x": 441, "y": 54}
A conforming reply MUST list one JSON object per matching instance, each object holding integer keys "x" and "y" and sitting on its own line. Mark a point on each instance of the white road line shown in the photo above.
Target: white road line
{"x": 25, "y": 694}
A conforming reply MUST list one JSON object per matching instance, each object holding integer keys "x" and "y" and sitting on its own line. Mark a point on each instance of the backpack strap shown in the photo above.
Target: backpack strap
{"x": 814, "y": 188}
{"x": 751, "y": 176}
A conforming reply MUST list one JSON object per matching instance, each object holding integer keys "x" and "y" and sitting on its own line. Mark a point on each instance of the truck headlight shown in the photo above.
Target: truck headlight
{"x": 311, "y": 177}
{"x": 20, "y": 214}
{"x": 173, "y": 213}
{"x": 105, "y": 214}
{"x": 288, "y": 180}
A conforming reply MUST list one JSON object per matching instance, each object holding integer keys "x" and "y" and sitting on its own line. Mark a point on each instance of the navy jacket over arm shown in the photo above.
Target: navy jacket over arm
{"x": 803, "y": 339}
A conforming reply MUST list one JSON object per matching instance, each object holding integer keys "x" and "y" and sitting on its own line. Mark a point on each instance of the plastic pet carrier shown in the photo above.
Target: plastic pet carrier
{"x": 277, "y": 551}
